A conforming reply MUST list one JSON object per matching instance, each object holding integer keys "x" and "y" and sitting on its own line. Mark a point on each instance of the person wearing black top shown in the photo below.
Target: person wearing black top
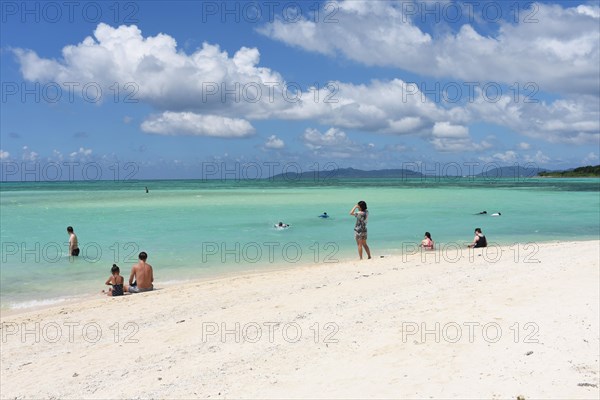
{"x": 479, "y": 240}
{"x": 116, "y": 281}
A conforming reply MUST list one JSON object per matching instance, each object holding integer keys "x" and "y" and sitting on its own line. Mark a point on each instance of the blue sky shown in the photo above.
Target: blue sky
{"x": 397, "y": 81}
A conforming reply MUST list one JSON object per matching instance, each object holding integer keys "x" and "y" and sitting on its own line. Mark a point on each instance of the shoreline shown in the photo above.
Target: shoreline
{"x": 266, "y": 268}
{"x": 391, "y": 327}
{"x": 387, "y": 328}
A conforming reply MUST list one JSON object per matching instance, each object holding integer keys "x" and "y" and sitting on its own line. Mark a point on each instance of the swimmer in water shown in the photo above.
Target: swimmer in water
{"x": 481, "y": 213}
{"x": 281, "y": 225}
{"x": 496, "y": 214}
{"x": 324, "y": 215}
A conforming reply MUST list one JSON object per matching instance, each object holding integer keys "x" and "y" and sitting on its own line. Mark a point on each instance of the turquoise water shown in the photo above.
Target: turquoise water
{"x": 193, "y": 229}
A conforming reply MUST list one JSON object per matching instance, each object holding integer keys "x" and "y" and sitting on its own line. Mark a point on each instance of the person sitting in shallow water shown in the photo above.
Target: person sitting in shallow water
{"x": 427, "y": 243}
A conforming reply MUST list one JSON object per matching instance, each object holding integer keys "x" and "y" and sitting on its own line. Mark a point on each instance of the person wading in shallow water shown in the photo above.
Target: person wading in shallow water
{"x": 73, "y": 243}
{"x": 361, "y": 214}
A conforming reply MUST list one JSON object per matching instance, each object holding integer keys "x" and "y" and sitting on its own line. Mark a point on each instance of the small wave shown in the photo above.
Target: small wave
{"x": 36, "y": 303}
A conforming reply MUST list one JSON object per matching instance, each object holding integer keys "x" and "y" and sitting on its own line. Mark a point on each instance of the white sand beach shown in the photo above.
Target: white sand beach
{"x": 526, "y": 324}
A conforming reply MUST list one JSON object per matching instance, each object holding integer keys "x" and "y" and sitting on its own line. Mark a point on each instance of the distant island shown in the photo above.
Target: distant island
{"x": 492, "y": 173}
{"x": 352, "y": 173}
{"x": 581, "y": 172}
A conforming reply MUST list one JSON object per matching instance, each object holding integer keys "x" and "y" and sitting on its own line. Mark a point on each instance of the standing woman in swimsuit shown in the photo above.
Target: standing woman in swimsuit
{"x": 360, "y": 228}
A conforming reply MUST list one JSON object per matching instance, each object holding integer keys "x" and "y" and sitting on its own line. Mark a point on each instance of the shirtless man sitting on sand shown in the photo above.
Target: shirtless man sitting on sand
{"x": 142, "y": 274}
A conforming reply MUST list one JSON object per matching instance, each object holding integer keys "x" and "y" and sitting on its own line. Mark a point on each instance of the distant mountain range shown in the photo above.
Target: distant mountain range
{"x": 352, "y": 173}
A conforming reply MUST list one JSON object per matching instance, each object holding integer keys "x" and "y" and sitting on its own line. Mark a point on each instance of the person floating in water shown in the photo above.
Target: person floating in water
{"x": 324, "y": 215}
{"x": 496, "y": 214}
{"x": 281, "y": 225}
{"x": 479, "y": 240}
{"x": 73, "y": 243}
{"x": 481, "y": 213}
{"x": 427, "y": 243}
{"x": 360, "y": 228}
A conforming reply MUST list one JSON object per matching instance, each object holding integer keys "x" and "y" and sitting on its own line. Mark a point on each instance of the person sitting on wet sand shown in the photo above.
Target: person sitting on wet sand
{"x": 142, "y": 274}
{"x": 116, "y": 281}
{"x": 479, "y": 240}
{"x": 427, "y": 243}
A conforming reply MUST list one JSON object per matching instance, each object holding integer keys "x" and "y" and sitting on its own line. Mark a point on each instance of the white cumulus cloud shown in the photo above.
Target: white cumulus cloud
{"x": 82, "y": 153}
{"x": 273, "y": 142}
{"x": 524, "y": 146}
{"x": 28, "y": 154}
{"x": 559, "y": 52}
{"x": 188, "y": 123}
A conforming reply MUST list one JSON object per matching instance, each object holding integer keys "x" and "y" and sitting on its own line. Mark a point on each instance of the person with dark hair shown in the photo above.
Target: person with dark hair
{"x": 479, "y": 240}
{"x": 324, "y": 215}
{"x": 427, "y": 243}
{"x": 73, "y": 243}
{"x": 142, "y": 274}
{"x": 360, "y": 212}
{"x": 116, "y": 281}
